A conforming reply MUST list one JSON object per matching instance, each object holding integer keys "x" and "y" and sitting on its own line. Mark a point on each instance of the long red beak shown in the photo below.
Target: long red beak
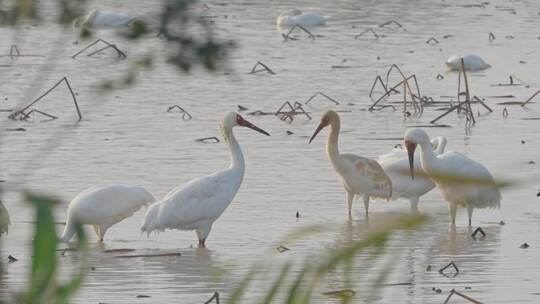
{"x": 319, "y": 128}
{"x": 410, "y": 149}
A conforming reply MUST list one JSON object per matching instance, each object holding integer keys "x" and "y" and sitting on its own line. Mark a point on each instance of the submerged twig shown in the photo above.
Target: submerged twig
{"x": 530, "y": 98}
{"x": 282, "y": 248}
{"x": 207, "y": 139}
{"x": 324, "y": 95}
{"x": 369, "y": 30}
{"x": 288, "y": 37}
{"x": 432, "y": 41}
{"x": 441, "y": 271}
{"x": 478, "y": 230}
{"x": 20, "y": 114}
{"x": 215, "y": 296}
{"x": 392, "y": 22}
{"x": 185, "y": 114}
{"x": 453, "y": 291}
{"x": 265, "y": 68}
{"x": 121, "y": 54}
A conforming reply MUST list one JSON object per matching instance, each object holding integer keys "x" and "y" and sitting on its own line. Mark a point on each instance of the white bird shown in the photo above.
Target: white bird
{"x": 197, "y": 204}
{"x": 461, "y": 180}
{"x": 396, "y": 166}
{"x": 103, "y": 19}
{"x": 359, "y": 175}
{"x": 4, "y": 219}
{"x": 102, "y": 207}
{"x": 303, "y": 19}
{"x": 471, "y": 62}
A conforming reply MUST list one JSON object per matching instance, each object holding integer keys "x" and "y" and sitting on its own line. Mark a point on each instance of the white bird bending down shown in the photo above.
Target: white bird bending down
{"x": 4, "y": 219}
{"x": 303, "y": 19}
{"x": 461, "y": 180}
{"x": 197, "y": 204}
{"x": 359, "y": 175}
{"x": 471, "y": 62}
{"x": 102, "y": 207}
{"x": 103, "y": 19}
{"x": 396, "y": 165}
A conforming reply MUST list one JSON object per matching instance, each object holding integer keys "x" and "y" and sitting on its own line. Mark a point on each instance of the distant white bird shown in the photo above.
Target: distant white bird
{"x": 197, "y": 204}
{"x": 304, "y": 19}
{"x": 461, "y": 180}
{"x": 103, "y": 19}
{"x": 471, "y": 62}
{"x": 359, "y": 175}
{"x": 396, "y": 165}
{"x": 104, "y": 206}
{"x": 4, "y": 219}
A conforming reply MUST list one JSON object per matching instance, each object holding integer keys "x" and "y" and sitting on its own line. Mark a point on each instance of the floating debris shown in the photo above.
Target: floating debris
{"x": 149, "y": 255}
{"x": 441, "y": 271}
{"x": 21, "y": 115}
{"x": 392, "y": 22}
{"x": 505, "y": 112}
{"x": 282, "y": 248}
{"x": 212, "y": 139}
{"x": 369, "y": 30}
{"x": 15, "y": 129}
{"x": 289, "y": 132}
{"x": 491, "y": 36}
{"x": 295, "y": 110}
{"x": 121, "y": 55}
{"x": 454, "y": 292}
{"x": 478, "y": 230}
{"x": 439, "y": 77}
{"x": 344, "y": 293}
{"x": 11, "y": 259}
{"x": 118, "y": 250}
{"x": 264, "y": 68}
{"x": 512, "y": 77}
{"x": 215, "y": 296}
{"x": 324, "y": 95}
{"x": 14, "y": 53}
{"x": 428, "y": 268}
{"x": 289, "y": 37}
{"x": 522, "y": 142}
{"x": 242, "y": 108}
{"x": 185, "y": 114}
{"x": 432, "y": 41}
{"x": 437, "y": 290}
{"x": 524, "y": 246}
{"x": 297, "y": 214}
{"x": 143, "y": 296}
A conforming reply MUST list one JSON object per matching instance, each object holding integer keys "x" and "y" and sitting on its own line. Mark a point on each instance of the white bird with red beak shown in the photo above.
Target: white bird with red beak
{"x": 396, "y": 165}
{"x": 461, "y": 180}
{"x": 359, "y": 175}
{"x": 197, "y": 204}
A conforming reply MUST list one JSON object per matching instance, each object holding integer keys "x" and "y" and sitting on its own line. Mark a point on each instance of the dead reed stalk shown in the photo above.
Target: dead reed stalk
{"x": 121, "y": 55}
{"x": 441, "y": 271}
{"x": 148, "y": 255}
{"x": 208, "y": 139}
{"x": 454, "y": 292}
{"x": 20, "y": 114}
{"x": 392, "y": 22}
{"x": 324, "y": 95}
{"x": 185, "y": 114}
{"x": 215, "y": 296}
{"x": 265, "y": 68}
{"x": 369, "y": 30}
{"x": 288, "y": 37}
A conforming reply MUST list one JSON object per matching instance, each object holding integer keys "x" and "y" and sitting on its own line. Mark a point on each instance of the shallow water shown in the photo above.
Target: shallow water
{"x": 127, "y": 137}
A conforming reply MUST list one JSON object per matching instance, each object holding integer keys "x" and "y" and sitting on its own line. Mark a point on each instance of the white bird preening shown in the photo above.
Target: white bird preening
{"x": 102, "y": 207}
{"x": 359, "y": 175}
{"x": 197, "y": 204}
{"x": 103, "y": 19}
{"x": 4, "y": 219}
{"x": 303, "y": 19}
{"x": 396, "y": 166}
{"x": 461, "y": 180}
{"x": 471, "y": 62}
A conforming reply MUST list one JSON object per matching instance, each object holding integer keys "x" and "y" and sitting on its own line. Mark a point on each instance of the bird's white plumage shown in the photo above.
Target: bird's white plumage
{"x": 471, "y": 62}
{"x": 4, "y": 219}
{"x": 396, "y": 166}
{"x": 359, "y": 175}
{"x": 104, "y": 206}
{"x": 197, "y": 204}
{"x": 103, "y": 19}
{"x": 303, "y": 19}
{"x": 461, "y": 180}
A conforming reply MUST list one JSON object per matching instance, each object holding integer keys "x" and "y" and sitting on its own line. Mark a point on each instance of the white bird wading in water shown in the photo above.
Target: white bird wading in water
{"x": 359, "y": 175}
{"x": 396, "y": 166}
{"x": 102, "y": 207}
{"x": 197, "y": 204}
{"x": 461, "y": 180}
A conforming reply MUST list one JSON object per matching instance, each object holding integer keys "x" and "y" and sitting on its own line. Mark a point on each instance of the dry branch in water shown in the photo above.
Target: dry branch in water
{"x": 295, "y": 110}
{"x": 416, "y": 105}
{"x": 121, "y": 55}
{"x": 392, "y": 22}
{"x": 344, "y": 293}
{"x": 288, "y": 35}
{"x": 282, "y": 248}
{"x": 185, "y": 114}
{"x": 441, "y": 271}
{"x": 208, "y": 139}
{"x": 432, "y": 41}
{"x": 369, "y": 30}
{"x": 149, "y": 255}
{"x": 265, "y": 68}
{"x": 215, "y": 296}
{"x": 14, "y": 53}
{"x": 453, "y": 292}
{"x": 20, "y": 114}
{"x": 324, "y": 95}
{"x": 478, "y": 230}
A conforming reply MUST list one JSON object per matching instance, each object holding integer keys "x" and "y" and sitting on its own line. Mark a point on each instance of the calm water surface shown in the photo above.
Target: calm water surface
{"x": 126, "y": 137}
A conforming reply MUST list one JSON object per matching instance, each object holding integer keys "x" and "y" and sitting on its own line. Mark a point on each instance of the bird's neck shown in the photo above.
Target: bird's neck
{"x": 427, "y": 156}
{"x": 332, "y": 144}
{"x": 237, "y": 158}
